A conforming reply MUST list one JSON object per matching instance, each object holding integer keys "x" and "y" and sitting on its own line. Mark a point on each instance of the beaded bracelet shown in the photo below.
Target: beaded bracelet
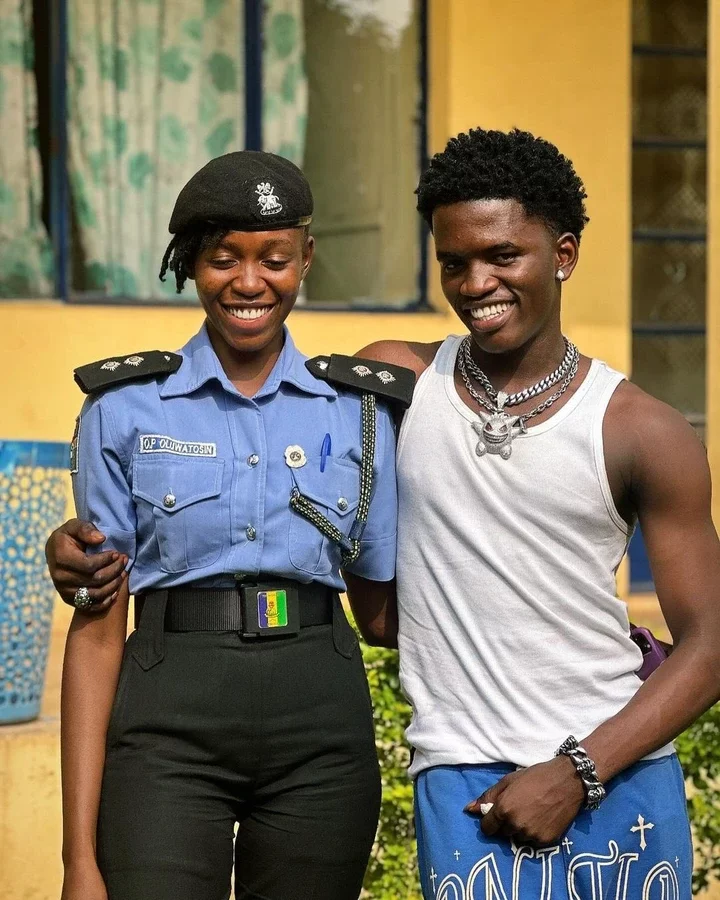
{"x": 585, "y": 768}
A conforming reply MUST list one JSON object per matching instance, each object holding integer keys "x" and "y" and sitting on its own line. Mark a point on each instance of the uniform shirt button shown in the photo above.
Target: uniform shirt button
{"x": 342, "y": 504}
{"x": 169, "y": 500}
{"x": 250, "y": 533}
{"x": 253, "y": 459}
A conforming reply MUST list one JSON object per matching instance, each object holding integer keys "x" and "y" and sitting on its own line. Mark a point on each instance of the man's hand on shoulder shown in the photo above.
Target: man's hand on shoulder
{"x": 103, "y": 574}
{"x": 411, "y": 354}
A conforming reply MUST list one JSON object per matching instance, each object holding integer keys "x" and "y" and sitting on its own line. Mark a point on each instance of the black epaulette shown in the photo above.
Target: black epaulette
{"x": 393, "y": 383}
{"x": 105, "y": 373}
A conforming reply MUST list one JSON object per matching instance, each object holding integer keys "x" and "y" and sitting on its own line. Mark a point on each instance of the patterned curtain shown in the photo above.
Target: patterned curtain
{"x": 156, "y": 89}
{"x": 25, "y": 252}
{"x": 285, "y": 91}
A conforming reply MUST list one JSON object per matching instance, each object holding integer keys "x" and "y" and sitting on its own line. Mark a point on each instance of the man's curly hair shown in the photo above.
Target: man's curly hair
{"x": 499, "y": 165}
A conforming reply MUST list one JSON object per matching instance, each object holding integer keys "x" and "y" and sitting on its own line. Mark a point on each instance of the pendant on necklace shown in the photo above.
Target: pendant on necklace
{"x": 497, "y": 431}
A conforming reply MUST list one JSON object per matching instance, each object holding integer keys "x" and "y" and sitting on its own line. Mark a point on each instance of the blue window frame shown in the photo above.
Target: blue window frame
{"x": 253, "y": 14}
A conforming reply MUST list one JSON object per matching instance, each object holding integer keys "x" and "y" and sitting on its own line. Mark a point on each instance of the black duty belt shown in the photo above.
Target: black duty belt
{"x": 271, "y": 608}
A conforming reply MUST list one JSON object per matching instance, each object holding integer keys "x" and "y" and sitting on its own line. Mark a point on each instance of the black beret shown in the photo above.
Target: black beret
{"x": 248, "y": 191}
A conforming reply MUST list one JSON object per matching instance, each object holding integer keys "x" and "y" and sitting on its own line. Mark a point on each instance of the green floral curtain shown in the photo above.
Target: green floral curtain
{"x": 285, "y": 92}
{"x": 25, "y": 252}
{"x": 156, "y": 89}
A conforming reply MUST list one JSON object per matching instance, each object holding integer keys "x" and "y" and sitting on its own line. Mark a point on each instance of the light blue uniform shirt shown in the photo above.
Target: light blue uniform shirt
{"x": 189, "y": 478}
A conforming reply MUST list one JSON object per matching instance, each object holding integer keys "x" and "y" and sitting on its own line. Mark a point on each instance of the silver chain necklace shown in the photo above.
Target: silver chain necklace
{"x": 527, "y": 393}
{"x": 497, "y": 430}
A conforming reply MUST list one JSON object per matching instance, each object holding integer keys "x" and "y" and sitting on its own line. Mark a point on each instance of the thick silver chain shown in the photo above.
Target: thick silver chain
{"x": 528, "y": 393}
{"x": 497, "y": 405}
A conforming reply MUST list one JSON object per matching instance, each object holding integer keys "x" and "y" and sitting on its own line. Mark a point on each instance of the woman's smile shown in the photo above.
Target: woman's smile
{"x": 249, "y": 319}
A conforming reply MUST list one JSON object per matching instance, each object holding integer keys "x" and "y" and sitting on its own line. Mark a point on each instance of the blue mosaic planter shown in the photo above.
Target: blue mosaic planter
{"x": 32, "y": 503}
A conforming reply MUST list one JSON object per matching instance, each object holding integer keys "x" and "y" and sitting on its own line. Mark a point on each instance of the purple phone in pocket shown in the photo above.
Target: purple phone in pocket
{"x": 653, "y": 651}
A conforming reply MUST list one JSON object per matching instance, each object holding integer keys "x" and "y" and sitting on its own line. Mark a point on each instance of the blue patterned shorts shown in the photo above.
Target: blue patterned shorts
{"x": 637, "y": 846}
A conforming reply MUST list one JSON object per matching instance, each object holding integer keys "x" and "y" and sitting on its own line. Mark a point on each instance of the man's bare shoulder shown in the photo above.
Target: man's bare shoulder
{"x": 646, "y": 429}
{"x": 411, "y": 354}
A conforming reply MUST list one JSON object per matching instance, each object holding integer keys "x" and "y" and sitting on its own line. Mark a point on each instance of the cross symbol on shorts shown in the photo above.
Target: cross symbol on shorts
{"x": 642, "y": 827}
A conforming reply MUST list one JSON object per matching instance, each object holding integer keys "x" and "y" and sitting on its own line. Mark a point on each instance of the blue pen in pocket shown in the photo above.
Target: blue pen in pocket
{"x": 325, "y": 452}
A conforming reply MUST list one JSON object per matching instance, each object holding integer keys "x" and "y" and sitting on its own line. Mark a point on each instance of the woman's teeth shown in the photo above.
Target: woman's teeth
{"x": 249, "y": 313}
{"x": 487, "y": 312}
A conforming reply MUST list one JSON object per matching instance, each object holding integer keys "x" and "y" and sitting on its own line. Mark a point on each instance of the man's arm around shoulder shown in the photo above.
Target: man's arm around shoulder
{"x": 411, "y": 354}
{"x": 374, "y": 606}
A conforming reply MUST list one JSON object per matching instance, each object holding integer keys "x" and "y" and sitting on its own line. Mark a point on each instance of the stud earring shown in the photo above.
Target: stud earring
{"x": 560, "y": 275}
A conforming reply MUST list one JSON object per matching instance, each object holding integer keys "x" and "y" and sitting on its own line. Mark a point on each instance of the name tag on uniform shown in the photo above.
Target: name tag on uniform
{"x": 161, "y": 443}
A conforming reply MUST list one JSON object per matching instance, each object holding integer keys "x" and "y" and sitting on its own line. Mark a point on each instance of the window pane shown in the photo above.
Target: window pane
{"x": 669, "y": 97}
{"x": 669, "y": 189}
{"x": 679, "y": 23}
{"x": 362, "y": 152}
{"x": 672, "y": 368}
{"x": 26, "y": 268}
{"x": 669, "y": 282}
{"x": 669, "y": 199}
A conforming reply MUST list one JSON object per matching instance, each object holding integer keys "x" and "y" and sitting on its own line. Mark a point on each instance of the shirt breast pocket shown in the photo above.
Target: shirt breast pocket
{"x": 334, "y": 493}
{"x": 178, "y": 500}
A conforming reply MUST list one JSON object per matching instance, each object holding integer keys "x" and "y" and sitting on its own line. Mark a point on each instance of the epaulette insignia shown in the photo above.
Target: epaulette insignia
{"x": 394, "y": 383}
{"x": 106, "y": 373}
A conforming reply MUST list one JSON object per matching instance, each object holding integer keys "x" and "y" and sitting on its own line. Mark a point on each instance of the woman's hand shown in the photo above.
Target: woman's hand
{"x": 70, "y": 568}
{"x": 83, "y": 881}
{"x": 535, "y": 805}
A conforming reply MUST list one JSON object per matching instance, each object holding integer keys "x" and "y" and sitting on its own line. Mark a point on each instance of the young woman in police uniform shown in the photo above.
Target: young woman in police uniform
{"x": 235, "y": 479}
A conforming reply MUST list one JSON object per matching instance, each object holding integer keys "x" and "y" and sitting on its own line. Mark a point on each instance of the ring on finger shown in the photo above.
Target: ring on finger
{"x": 82, "y": 599}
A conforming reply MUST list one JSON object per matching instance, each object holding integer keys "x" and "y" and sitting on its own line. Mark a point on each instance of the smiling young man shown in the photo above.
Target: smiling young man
{"x": 523, "y": 467}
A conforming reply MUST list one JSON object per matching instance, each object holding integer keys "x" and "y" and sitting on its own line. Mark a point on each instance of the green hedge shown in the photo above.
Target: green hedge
{"x": 699, "y": 752}
{"x": 392, "y": 873}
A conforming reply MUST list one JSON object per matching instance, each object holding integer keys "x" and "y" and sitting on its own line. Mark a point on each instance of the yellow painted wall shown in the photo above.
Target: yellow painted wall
{"x": 530, "y": 64}
{"x": 43, "y": 341}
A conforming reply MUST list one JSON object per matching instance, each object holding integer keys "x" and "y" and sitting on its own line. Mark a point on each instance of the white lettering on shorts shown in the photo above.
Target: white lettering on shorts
{"x": 161, "y": 443}
{"x": 603, "y": 874}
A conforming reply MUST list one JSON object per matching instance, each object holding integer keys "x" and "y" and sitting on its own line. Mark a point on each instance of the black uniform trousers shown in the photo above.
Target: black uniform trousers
{"x": 210, "y": 729}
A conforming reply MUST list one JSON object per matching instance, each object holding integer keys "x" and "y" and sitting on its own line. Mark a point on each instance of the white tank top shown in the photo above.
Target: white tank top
{"x": 511, "y": 635}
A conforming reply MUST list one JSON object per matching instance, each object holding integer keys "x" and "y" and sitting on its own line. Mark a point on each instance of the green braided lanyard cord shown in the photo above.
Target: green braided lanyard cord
{"x": 350, "y": 546}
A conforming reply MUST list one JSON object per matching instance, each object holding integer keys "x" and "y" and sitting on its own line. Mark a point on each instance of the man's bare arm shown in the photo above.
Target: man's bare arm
{"x": 664, "y": 468}
{"x": 374, "y": 606}
{"x": 669, "y": 488}
{"x": 411, "y": 354}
